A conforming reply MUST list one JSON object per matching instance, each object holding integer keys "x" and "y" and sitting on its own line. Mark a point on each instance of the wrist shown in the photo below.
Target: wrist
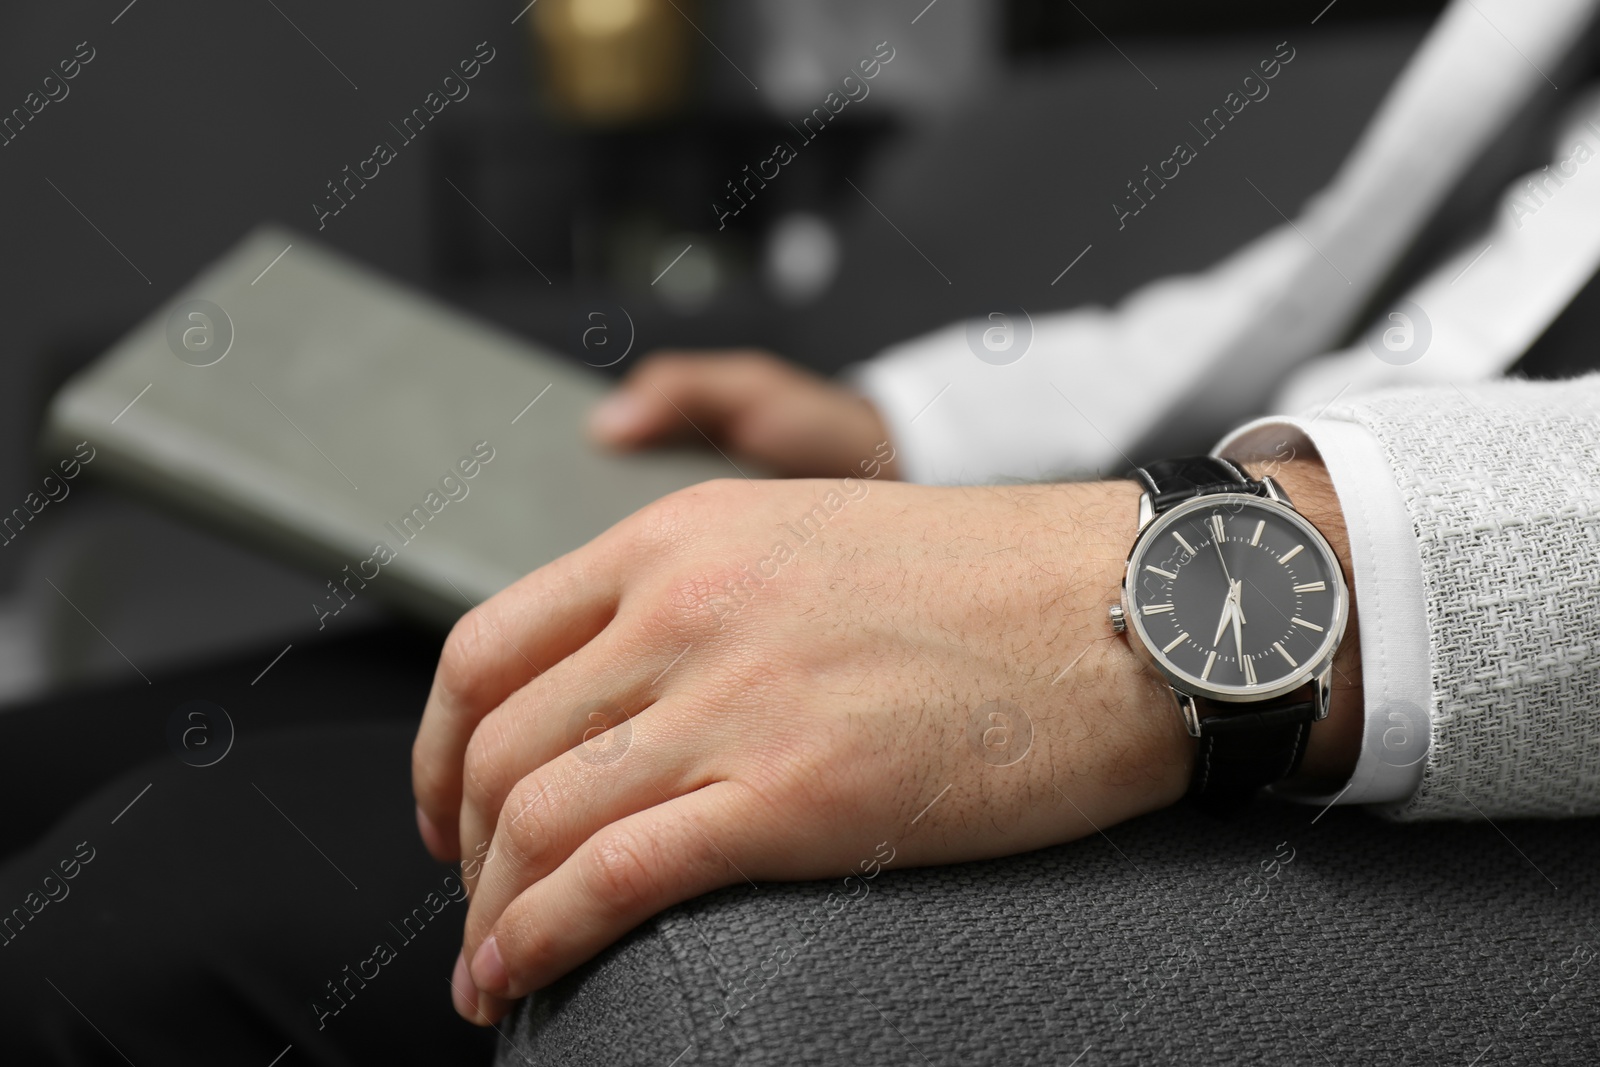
{"x": 1120, "y": 684}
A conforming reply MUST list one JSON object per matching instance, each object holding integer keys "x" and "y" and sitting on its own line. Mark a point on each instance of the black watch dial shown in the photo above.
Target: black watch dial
{"x": 1236, "y": 596}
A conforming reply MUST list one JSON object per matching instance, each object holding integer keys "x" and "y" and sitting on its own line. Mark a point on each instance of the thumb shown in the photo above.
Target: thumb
{"x": 628, "y": 416}
{"x": 667, "y": 396}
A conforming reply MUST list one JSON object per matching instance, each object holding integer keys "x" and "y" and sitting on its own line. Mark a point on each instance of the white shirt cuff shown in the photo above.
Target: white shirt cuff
{"x": 1391, "y": 609}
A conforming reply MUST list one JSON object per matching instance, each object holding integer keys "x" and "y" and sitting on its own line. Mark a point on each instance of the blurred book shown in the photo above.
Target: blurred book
{"x": 318, "y": 410}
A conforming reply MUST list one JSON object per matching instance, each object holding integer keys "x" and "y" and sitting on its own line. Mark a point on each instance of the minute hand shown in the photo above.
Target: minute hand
{"x": 1218, "y": 542}
{"x": 1238, "y": 635}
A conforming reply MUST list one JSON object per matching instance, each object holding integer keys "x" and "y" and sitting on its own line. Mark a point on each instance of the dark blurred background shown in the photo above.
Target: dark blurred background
{"x": 590, "y": 152}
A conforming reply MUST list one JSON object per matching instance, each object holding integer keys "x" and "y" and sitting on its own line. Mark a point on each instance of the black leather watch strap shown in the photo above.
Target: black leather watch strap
{"x": 1243, "y": 747}
{"x": 1240, "y": 752}
{"x": 1173, "y": 480}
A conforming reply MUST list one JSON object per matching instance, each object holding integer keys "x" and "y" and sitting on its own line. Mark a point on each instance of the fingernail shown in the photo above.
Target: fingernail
{"x": 462, "y": 992}
{"x": 489, "y": 970}
{"x": 431, "y": 837}
{"x": 617, "y": 416}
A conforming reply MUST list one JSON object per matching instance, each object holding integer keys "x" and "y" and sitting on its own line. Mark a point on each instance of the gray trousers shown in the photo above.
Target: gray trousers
{"x": 1279, "y": 936}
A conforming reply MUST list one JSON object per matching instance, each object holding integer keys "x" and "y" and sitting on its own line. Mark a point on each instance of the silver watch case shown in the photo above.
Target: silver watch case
{"x": 1316, "y": 672}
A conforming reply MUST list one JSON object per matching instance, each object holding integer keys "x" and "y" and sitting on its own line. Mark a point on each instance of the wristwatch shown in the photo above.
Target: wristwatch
{"x": 1239, "y": 603}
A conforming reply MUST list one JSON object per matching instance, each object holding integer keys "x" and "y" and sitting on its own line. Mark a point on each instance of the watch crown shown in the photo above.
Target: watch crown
{"x": 1119, "y": 618}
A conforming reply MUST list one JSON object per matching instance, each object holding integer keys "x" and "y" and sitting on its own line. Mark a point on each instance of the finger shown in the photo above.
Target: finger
{"x": 586, "y": 699}
{"x": 551, "y": 812}
{"x": 622, "y": 875}
{"x": 492, "y": 651}
{"x": 672, "y": 394}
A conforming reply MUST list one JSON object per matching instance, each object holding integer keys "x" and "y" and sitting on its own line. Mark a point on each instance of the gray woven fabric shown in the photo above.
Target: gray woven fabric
{"x": 1502, "y": 482}
{"x": 1272, "y": 938}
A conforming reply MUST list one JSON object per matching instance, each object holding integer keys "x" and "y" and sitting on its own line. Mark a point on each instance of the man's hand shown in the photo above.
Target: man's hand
{"x": 753, "y": 404}
{"x": 768, "y": 681}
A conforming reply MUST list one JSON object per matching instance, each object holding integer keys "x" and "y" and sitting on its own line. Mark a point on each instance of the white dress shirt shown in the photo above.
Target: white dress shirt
{"x": 1094, "y": 381}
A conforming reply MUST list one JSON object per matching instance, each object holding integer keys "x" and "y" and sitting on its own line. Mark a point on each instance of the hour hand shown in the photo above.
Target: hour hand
{"x": 1227, "y": 613}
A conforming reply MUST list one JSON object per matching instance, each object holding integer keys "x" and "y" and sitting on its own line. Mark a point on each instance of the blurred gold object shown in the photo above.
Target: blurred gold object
{"x": 613, "y": 61}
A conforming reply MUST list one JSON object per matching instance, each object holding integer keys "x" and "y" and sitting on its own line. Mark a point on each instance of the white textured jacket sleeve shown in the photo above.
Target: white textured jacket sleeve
{"x": 1487, "y": 498}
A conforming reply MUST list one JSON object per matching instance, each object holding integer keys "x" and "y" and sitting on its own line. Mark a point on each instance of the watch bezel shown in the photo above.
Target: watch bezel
{"x": 1192, "y": 685}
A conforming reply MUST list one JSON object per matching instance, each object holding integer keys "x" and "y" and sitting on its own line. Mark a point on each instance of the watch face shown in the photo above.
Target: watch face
{"x": 1236, "y": 597}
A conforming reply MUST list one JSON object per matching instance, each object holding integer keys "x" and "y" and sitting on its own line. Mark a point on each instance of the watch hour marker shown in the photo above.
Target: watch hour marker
{"x": 1310, "y": 587}
{"x": 1297, "y": 621}
{"x": 1249, "y": 666}
{"x": 1255, "y": 538}
{"x": 1153, "y": 569}
{"x": 1211, "y": 657}
{"x": 1216, "y": 528}
{"x": 1176, "y": 641}
{"x": 1156, "y": 609}
{"x": 1279, "y": 646}
{"x": 1291, "y": 554}
{"x": 1187, "y": 547}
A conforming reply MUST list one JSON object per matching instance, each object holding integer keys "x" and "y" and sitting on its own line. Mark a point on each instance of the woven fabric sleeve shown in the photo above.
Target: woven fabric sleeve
{"x": 1502, "y": 484}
